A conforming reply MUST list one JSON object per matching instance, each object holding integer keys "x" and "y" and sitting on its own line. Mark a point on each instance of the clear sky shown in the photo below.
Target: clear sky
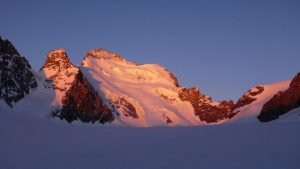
{"x": 224, "y": 47}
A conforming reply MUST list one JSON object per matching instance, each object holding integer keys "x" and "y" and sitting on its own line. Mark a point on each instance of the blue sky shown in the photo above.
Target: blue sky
{"x": 223, "y": 47}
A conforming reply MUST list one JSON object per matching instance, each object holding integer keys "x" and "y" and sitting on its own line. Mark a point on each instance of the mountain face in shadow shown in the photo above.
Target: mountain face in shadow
{"x": 16, "y": 77}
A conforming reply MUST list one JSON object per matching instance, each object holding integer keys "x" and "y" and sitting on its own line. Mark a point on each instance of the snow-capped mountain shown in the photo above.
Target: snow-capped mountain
{"x": 107, "y": 88}
{"x": 142, "y": 95}
{"x": 147, "y": 95}
{"x": 75, "y": 98}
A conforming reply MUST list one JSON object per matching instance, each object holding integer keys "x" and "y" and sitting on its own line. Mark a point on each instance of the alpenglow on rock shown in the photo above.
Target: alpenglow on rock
{"x": 109, "y": 89}
{"x": 82, "y": 102}
{"x": 75, "y": 98}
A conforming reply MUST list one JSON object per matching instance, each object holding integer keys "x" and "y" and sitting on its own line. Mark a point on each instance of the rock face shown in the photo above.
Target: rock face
{"x": 82, "y": 102}
{"x": 204, "y": 108}
{"x": 282, "y": 102}
{"x": 61, "y": 72}
{"x": 16, "y": 77}
{"x": 59, "y": 69}
{"x": 75, "y": 98}
{"x": 127, "y": 109}
{"x": 249, "y": 97}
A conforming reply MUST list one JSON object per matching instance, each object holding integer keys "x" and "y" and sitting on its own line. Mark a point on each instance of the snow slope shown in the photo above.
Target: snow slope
{"x": 149, "y": 90}
{"x": 250, "y": 112}
{"x": 33, "y": 145}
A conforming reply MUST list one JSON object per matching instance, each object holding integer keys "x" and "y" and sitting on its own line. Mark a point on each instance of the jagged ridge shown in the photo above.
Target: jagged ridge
{"x": 204, "y": 108}
{"x": 140, "y": 95}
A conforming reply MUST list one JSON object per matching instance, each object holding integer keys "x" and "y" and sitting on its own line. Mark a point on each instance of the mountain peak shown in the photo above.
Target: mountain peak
{"x": 59, "y": 50}
{"x": 103, "y": 53}
{"x": 7, "y": 47}
{"x": 16, "y": 77}
{"x": 58, "y": 54}
{"x": 60, "y": 70}
{"x": 58, "y": 58}
{"x": 100, "y": 53}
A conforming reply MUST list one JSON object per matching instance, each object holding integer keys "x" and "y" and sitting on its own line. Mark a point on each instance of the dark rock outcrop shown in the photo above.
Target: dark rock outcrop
{"x": 203, "y": 107}
{"x": 16, "y": 77}
{"x": 282, "y": 102}
{"x": 82, "y": 102}
{"x": 168, "y": 120}
{"x": 127, "y": 108}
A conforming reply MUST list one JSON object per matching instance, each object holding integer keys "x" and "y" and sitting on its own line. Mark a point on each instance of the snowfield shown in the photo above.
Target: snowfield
{"x": 28, "y": 143}
{"x": 142, "y": 86}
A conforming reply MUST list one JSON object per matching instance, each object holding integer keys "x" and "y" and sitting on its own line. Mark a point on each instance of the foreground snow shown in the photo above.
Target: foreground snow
{"x": 37, "y": 144}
